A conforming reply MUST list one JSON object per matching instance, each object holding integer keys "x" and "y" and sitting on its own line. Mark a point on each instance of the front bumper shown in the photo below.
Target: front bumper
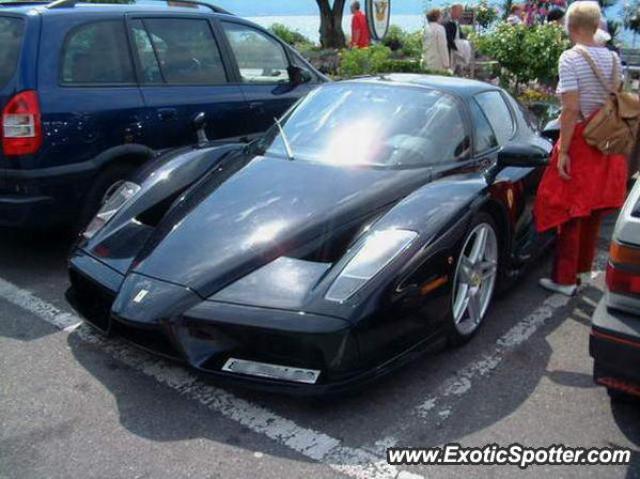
{"x": 615, "y": 348}
{"x": 207, "y": 334}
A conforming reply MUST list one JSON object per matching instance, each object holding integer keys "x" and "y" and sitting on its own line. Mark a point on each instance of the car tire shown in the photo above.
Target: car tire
{"x": 622, "y": 397}
{"x": 476, "y": 274}
{"x": 105, "y": 182}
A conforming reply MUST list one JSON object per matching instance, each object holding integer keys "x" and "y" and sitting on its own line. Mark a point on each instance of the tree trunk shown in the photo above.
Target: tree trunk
{"x": 331, "y": 33}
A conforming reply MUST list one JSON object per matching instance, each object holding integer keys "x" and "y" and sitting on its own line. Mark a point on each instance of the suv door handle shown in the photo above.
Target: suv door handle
{"x": 166, "y": 114}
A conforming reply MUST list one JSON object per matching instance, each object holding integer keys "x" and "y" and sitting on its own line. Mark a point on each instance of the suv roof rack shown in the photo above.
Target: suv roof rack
{"x": 72, "y": 3}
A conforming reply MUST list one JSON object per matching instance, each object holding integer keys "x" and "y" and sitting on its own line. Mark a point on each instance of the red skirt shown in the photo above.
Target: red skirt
{"x": 598, "y": 182}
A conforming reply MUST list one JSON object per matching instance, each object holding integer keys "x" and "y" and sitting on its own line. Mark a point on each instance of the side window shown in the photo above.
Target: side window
{"x": 146, "y": 53}
{"x": 260, "y": 58}
{"x": 485, "y": 138}
{"x": 445, "y": 115}
{"x": 498, "y": 114}
{"x": 178, "y": 51}
{"x": 10, "y": 42}
{"x": 97, "y": 53}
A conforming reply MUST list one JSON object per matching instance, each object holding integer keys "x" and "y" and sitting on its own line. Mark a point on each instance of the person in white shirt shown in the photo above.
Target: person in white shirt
{"x": 435, "y": 54}
{"x": 581, "y": 183}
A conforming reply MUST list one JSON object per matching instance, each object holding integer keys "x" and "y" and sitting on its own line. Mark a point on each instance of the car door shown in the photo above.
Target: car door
{"x": 87, "y": 89}
{"x": 516, "y": 186}
{"x": 182, "y": 73}
{"x": 263, "y": 64}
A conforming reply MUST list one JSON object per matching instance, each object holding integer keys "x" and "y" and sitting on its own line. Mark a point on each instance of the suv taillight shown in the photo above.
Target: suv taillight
{"x": 22, "y": 125}
{"x": 623, "y": 272}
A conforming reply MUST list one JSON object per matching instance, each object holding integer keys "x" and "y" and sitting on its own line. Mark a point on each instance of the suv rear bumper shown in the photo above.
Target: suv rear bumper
{"x": 42, "y": 198}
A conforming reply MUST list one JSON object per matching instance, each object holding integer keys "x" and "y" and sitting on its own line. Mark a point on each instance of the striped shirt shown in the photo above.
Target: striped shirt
{"x": 577, "y": 75}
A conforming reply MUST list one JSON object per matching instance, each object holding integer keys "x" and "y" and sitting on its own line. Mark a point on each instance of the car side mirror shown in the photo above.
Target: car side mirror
{"x": 298, "y": 75}
{"x": 199, "y": 124}
{"x": 522, "y": 155}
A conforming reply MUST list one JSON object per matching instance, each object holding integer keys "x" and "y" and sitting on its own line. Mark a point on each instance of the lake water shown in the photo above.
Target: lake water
{"x": 308, "y": 25}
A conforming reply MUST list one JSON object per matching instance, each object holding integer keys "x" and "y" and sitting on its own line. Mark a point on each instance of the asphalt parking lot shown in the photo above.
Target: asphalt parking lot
{"x": 75, "y": 405}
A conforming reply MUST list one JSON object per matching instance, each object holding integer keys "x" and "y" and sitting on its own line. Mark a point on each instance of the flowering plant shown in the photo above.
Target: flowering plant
{"x": 485, "y": 14}
{"x": 524, "y": 53}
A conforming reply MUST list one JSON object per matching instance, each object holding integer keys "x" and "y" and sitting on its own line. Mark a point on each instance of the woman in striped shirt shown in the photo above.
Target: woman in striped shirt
{"x": 581, "y": 182}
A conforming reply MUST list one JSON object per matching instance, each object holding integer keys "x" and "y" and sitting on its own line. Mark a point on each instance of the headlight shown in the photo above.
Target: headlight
{"x": 114, "y": 202}
{"x": 376, "y": 252}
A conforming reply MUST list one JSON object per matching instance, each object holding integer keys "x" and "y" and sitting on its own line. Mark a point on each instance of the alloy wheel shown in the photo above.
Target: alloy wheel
{"x": 475, "y": 278}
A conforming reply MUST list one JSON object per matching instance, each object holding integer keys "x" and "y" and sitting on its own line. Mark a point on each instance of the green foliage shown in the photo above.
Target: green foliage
{"x": 525, "y": 53}
{"x": 413, "y": 44}
{"x": 467, "y": 30}
{"x": 363, "y": 61}
{"x": 395, "y": 38}
{"x": 614, "y": 27}
{"x": 288, "y": 35}
{"x": 377, "y": 60}
{"x": 408, "y": 44}
{"x": 632, "y": 16}
{"x": 604, "y": 4}
{"x": 506, "y": 8}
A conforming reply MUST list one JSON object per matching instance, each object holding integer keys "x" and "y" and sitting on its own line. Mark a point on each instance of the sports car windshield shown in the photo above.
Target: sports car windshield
{"x": 377, "y": 125}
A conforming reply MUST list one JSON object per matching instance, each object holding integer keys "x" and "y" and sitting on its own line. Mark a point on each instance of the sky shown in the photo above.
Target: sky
{"x": 251, "y": 8}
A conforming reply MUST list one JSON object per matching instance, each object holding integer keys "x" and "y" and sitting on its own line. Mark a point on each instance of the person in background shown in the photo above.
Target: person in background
{"x": 516, "y": 16}
{"x": 435, "y": 53}
{"x": 360, "y": 37}
{"x": 581, "y": 183}
{"x": 556, "y": 15}
{"x": 459, "y": 48}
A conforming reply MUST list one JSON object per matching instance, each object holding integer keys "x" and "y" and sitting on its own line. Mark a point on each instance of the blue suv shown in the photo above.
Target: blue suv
{"x": 88, "y": 92}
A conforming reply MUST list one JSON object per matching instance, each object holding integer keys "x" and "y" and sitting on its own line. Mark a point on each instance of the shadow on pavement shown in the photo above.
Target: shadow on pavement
{"x": 16, "y": 324}
{"x": 151, "y": 410}
{"x": 25, "y": 254}
{"x": 385, "y": 408}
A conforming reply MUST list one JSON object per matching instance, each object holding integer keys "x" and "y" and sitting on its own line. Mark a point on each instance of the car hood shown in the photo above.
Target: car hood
{"x": 225, "y": 229}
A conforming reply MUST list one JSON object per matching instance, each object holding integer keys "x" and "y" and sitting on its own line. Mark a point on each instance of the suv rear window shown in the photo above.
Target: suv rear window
{"x": 10, "y": 42}
{"x": 97, "y": 53}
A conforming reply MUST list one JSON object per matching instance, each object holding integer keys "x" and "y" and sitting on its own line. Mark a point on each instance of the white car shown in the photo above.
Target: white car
{"x": 615, "y": 334}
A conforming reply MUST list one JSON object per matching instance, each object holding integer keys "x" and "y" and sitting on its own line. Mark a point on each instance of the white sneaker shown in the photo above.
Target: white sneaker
{"x": 587, "y": 278}
{"x": 567, "y": 290}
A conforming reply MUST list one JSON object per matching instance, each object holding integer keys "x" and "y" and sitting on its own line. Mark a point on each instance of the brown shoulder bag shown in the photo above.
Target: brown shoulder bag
{"x": 614, "y": 128}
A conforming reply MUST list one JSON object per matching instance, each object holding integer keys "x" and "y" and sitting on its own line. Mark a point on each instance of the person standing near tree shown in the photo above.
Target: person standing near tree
{"x": 581, "y": 183}
{"x": 435, "y": 54}
{"x": 360, "y": 36}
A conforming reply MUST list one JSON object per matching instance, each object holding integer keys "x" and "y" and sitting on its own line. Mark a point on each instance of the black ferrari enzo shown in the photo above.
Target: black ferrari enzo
{"x": 375, "y": 219}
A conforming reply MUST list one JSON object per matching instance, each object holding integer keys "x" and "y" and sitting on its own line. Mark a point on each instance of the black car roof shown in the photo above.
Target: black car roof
{"x": 462, "y": 87}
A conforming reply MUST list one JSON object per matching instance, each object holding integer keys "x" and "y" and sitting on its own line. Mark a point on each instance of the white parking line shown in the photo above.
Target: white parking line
{"x": 353, "y": 462}
{"x": 42, "y": 309}
{"x": 462, "y": 382}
